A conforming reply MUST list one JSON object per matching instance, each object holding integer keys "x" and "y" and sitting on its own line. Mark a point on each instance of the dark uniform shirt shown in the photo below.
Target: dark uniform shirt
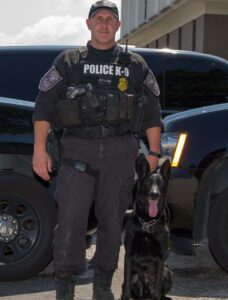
{"x": 54, "y": 84}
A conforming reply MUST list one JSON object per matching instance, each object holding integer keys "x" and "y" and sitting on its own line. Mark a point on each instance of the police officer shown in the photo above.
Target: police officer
{"x": 99, "y": 95}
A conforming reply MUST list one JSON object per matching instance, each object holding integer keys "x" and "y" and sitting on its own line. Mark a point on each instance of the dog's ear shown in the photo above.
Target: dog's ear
{"x": 142, "y": 166}
{"x": 165, "y": 170}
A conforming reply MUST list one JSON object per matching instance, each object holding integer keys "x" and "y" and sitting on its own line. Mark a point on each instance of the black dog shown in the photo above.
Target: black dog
{"x": 147, "y": 238}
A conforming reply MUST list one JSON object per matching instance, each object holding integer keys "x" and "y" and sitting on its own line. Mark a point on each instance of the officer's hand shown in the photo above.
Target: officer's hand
{"x": 153, "y": 162}
{"x": 41, "y": 162}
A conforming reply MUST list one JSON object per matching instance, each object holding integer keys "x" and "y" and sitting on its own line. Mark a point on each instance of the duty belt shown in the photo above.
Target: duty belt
{"x": 97, "y": 132}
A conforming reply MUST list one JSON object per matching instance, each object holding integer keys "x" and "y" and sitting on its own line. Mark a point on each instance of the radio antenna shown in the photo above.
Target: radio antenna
{"x": 126, "y": 46}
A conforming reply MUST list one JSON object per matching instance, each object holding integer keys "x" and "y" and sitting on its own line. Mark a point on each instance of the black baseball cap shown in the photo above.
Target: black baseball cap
{"x": 99, "y": 5}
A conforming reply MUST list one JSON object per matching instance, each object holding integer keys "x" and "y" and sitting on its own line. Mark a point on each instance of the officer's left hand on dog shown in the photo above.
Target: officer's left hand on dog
{"x": 153, "y": 162}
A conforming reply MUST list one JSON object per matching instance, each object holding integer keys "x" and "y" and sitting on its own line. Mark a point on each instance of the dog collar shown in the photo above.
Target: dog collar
{"x": 147, "y": 226}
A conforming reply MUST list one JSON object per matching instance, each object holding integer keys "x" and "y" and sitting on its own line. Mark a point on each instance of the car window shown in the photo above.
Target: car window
{"x": 191, "y": 83}
{"x": 20, "y": 74}
{"x": 15, "y": 120}
{"x": 156, "y": 63}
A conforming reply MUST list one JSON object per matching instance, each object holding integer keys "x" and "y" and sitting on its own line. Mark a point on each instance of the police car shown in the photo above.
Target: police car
{"x": 27, "y": 208}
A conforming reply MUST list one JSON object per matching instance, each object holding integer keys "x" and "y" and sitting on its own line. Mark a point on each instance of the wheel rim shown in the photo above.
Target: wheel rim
{"x": 19, "y": 229}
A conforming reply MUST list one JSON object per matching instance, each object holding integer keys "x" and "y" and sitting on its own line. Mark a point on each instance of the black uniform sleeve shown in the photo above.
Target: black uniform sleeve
{"x": 53, "y": 86}
{"x": 152, "y": 116}
{"x": 148, "y": 84}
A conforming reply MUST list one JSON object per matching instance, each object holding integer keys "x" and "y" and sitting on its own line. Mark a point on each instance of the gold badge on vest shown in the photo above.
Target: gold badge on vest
{"x": 123, "y": 84}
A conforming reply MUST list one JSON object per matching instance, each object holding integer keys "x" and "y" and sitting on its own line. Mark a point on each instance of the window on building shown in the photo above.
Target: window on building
{"x": 145, "y": 11}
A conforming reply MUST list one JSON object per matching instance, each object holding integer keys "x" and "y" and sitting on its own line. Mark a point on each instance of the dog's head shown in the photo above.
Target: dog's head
{"x": 151, "y": 188}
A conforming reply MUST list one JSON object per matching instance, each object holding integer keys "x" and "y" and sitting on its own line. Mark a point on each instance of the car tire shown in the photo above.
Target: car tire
{"x": 218, "y": 229}
{"x": 27, "y": 219}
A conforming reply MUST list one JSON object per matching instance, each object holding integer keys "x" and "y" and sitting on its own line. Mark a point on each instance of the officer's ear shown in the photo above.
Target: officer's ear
{"x": 88, "y": 23}
{"x": 119, "y": 25}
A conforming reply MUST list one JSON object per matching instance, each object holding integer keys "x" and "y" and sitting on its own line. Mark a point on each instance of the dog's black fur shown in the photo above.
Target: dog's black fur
{"x": 147, "y": 238}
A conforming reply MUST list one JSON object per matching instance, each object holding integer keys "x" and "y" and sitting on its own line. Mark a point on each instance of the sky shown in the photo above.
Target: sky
{"x": 45, "y": 22}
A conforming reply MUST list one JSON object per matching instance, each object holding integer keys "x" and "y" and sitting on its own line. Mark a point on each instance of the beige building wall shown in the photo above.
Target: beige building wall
{"x": 200, "y": 34}
{"x": 174, "y": 39}
{"x": 216, "y": 35}
{"x": 152, "y": 44}
{"x": 197, "y": 25}
{"x": 162, "y": 42}
{"x": 187, "y": 36}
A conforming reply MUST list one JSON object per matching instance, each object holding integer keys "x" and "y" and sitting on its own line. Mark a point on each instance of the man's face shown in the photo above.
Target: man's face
{"x": 103, "y": 27}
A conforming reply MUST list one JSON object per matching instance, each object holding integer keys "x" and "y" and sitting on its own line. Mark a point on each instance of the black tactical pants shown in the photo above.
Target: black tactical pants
{"x": 113, "y": 158}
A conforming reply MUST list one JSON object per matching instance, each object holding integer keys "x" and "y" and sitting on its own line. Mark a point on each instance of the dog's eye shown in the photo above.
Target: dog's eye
{"x": 145, "y": 188}
{"x": 160, "y": 183}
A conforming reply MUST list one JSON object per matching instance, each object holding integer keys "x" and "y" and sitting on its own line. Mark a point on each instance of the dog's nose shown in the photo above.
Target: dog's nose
{"x": 154, "y": 191}
{"x": 154, "y": 196}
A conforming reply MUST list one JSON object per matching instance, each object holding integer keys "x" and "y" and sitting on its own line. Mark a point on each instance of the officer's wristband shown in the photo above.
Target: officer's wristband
{"x": 153, "y": 153}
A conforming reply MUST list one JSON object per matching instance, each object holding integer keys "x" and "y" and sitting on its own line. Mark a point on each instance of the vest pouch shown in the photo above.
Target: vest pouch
{"x": 127, "y": 102}
{"x": 91, "y": 105}
{"x": 68, "y": 113}
{"x": 130, "y": 105}
{"x": 138, "y": 114}
{"x": 123, "y": 108}
{"x": 112, "y": 108}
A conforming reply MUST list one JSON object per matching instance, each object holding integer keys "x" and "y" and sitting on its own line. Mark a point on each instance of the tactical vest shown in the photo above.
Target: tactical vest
{"x": 101, "y": 93}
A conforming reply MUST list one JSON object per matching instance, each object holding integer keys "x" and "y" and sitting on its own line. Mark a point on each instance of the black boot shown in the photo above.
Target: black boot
{"x": 64, "y": 286}
{"x": 102, "y": 285}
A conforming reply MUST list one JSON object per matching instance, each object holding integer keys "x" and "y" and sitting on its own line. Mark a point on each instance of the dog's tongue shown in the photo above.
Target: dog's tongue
{"x": 153, "y": 208}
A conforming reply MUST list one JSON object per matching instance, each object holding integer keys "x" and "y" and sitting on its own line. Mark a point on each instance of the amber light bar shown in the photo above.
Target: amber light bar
{"x": 179, "y": 149}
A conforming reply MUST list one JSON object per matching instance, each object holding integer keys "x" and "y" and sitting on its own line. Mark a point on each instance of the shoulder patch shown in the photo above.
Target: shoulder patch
{"x": 50, "y": 79}
{"x": 151, "y": 83}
